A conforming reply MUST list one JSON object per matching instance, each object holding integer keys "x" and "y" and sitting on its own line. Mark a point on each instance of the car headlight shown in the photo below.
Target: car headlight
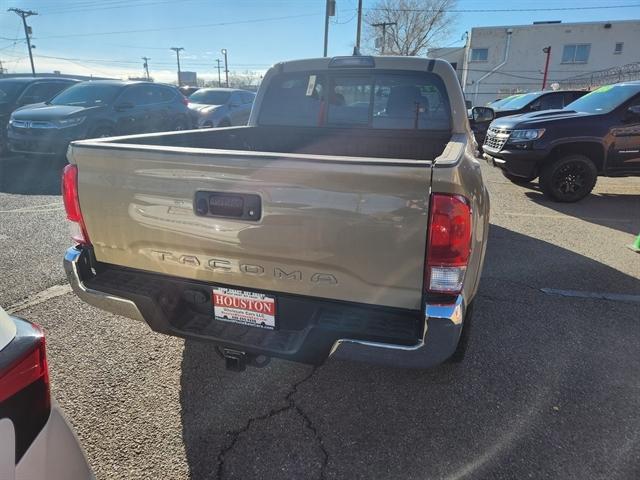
{"x": 526, "y": 135}
{"x": 70, "y": 122}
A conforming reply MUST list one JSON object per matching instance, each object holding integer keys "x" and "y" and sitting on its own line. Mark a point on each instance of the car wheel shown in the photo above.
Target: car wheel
{"x": 180, "y": 124}
{"x": 519, "y": 180}
{"x": 102, "y": 132}
{"x": 569, "y": 179}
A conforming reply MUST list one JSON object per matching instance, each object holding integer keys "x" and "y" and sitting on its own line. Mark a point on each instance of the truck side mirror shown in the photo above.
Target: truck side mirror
{"x": 482, "y": 114}
{"x": 633, "y": 113}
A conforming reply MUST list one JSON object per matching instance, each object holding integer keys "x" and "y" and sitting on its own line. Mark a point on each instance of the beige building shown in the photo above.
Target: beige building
{"x": 499, "y": 61}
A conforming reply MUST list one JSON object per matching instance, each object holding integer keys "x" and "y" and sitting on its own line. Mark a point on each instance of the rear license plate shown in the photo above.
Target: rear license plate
{"x": 246, "y": 308}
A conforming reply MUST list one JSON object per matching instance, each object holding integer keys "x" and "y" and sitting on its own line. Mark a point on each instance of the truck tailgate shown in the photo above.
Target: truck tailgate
{"x": 351, "y": 229}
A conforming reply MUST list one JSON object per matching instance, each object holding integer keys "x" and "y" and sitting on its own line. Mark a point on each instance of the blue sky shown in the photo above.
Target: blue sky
{"x": 75, "y": 35}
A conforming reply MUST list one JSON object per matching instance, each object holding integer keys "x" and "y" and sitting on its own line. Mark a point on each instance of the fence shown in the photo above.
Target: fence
{"x": 592, "y": 80}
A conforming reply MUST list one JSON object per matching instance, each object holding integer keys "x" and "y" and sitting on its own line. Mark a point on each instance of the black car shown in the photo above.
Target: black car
{"x": 19, "y": 91}
{"x": 100, "y": 108}
{"x": 525, "y": 103}
{"x": 598, "y": 134}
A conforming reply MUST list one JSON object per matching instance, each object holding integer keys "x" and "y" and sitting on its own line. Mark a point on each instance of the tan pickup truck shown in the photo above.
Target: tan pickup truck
{"x": 348, "y": 219}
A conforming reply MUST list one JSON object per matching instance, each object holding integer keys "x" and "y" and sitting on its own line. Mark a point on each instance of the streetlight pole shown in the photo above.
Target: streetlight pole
{"x": 219, "y": 81}
{"x": 178, "y": 50}
{"x": 24, "y": 14}
{"x": 226, "y": 66}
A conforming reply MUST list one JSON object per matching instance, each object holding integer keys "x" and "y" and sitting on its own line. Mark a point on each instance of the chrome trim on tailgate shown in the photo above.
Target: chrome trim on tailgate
{"x": 104, "y": 301}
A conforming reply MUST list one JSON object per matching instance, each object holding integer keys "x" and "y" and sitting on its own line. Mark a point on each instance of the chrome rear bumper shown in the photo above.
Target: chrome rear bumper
{"x": 443, "y": 326}
{"x": 439, "y": 339}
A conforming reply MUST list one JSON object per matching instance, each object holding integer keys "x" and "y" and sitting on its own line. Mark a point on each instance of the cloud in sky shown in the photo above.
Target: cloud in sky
{"x": 49, "y": 65}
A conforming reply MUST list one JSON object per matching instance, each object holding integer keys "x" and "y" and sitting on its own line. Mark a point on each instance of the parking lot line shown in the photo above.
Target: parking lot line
{"x": 621, "y": 297}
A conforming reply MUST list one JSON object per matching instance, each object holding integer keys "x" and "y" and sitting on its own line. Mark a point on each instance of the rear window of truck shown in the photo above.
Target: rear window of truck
{"x": 380, "y": 100}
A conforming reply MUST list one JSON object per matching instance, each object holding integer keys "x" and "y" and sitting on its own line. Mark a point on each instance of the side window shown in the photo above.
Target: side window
{"x": 163, "y": 94}
{"x": 294, "y": 99}
{"x": 247, "y": 98}
{"x": 41, "y": 92}
{"x": 138, "y": 95}
{"x": 569, "y": 97}
{"x": 235, "y": 100}
{"x": 549, "y": 102}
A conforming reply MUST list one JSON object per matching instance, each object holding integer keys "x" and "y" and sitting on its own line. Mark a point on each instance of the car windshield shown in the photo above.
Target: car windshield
{"x": 604, "y": 99}
{"x": 87, "y": 95}
{"x": 519, "y": 102}
{"x": 10, "y": 90}
{"x": 210, "y": 97}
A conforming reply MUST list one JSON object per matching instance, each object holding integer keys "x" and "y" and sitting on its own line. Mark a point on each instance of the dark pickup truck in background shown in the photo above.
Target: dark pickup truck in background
{"x": 598, "y": 134}
{"x": 524, "y": 103}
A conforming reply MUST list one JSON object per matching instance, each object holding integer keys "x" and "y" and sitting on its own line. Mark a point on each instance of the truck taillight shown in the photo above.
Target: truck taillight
{"x": 449, "y": 243}
{"x": 72, "y": 204}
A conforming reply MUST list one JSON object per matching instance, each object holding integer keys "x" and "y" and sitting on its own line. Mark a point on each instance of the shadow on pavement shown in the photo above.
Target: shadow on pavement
{"x": 31, "y": 175}
{"x": 617, "y": 211}
{"x": 548, "y": 390}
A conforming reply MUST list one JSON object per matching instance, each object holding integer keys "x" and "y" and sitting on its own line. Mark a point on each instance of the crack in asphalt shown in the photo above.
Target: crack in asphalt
{"x": 235, "y": 434}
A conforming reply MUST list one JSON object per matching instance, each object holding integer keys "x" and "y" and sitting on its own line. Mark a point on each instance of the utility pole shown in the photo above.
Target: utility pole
{"x": 226, "y": 66}
{"x": 356, "y": 49}
{"x": 24, "y": 14}
{"x": 330, "y": 11}
{"x": 219, "y": 81}
{"x": 546, "y": 50}
{"x": 146, "y": 66}
{"x": 384, "y": 26}
{"x": 178, "y": 50}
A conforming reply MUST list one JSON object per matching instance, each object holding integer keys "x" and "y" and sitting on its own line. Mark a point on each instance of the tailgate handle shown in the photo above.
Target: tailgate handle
{"x": 242, "y": 206}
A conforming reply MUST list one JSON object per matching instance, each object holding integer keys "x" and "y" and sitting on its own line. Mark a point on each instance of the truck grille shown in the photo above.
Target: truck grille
{"x": 496, "y": 138}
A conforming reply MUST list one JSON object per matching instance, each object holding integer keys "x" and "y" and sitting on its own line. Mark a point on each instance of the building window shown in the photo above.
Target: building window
{"x": 618, "y": 49}
{"x": 479, "y": 54}
{"x": 576, "y": 53}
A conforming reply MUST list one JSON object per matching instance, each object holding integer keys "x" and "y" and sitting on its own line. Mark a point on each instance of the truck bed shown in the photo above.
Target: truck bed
{"x": 395, "y": 144}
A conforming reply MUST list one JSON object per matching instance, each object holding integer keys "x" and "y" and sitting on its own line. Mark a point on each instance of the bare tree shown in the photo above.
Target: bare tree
{"x": 412, "y": 26}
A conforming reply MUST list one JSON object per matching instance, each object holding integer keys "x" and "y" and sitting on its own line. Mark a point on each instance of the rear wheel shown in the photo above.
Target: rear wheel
{"x": 519, "y": 180}
{"x": 569, "y": 179}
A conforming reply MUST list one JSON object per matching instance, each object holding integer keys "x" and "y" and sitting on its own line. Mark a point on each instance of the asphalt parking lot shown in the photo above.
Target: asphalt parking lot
{"x": 550, "y": 387}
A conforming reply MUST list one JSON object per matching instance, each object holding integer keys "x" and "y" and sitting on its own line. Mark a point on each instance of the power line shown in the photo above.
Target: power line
{"x": 503, "y": 10}
{"x": 183, "y": 27}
